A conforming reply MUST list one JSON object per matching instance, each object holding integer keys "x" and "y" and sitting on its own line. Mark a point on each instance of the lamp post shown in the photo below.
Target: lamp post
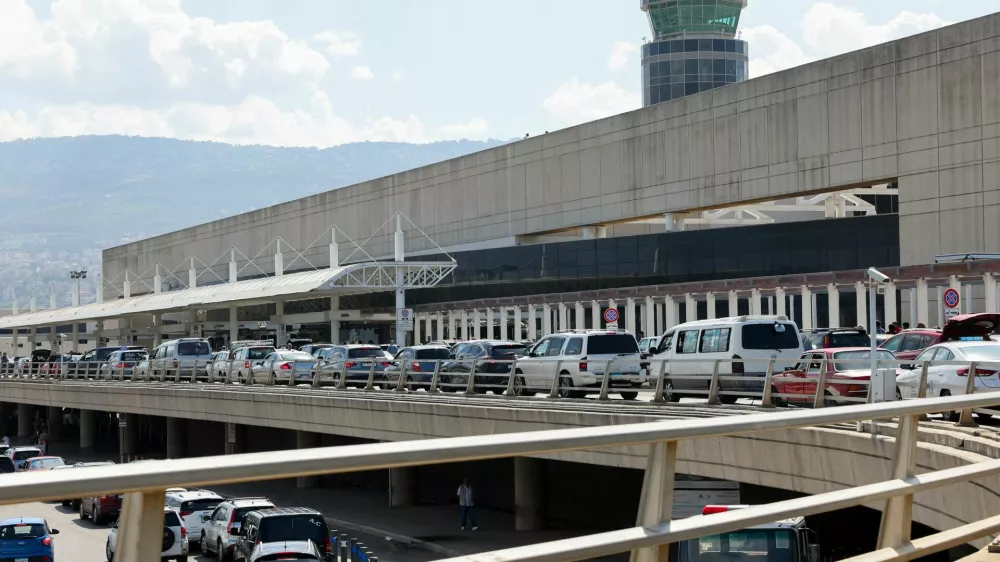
{"x": 76, "y": 276}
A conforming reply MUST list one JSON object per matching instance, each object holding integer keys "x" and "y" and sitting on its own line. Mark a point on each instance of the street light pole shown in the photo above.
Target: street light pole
{"x": 76, "y": 276}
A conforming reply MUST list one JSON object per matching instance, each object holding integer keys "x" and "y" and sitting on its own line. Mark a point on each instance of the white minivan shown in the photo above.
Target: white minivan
{"x": 743, "y": 345}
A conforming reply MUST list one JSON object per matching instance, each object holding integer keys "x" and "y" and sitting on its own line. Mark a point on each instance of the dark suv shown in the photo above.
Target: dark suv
{"x": 493, "y": 360}
{"x": 835, "y": 337}
{"x": 260, "y": 529}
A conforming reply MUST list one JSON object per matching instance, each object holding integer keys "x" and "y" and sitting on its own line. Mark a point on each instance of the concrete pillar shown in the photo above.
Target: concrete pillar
{"x": 670, "y": 312}
{"x": 503, "y": 323}
{"x": 129, "y": 436}
{"x": 755, "y": 302}
{"x": 452, "y": 334}
{"x": 32, "y": 340}
{"x": 176, "y": 438}
{"x": 649, "y": 318}
{"x": 690, "y": 307}
{"x": 518, "y": 333}
{"x": 921, "y": 297}
{"x": 807, "y": 317}
{"x": 417, "y": 336}
{"x": 990, "y": 290}
{"x": 563, "y": 316}
{"x": 335, "y": 319}
{"x": 940, "y": 305}
{"x": 465, "y": 324}
{"x": 967, "y": 299}
{"x": 890, "y": 305}
{"x": 88, "y": 429}
{"x": 630, "y": 315}
{"x": 595, "y": 314}
{"x": 532, "y": 329}
{"x": 403, "y": 486}
{"x": 546, "y": 320}
{"x": 439, "y": 328}
{"x": 833, "y": 306}
{"x": 477, "y": 325}
{"x": 710, "y": 304}
{"x": 779, "y": 302}
{"x": 861, "y": 306}
{"x": 734, "y": 303}
{"x": 529, "y": 494}
{"x": 307, "y": 440}
{"x": 25, "y": 419}
{"x": 53, "y": 423}
{"x": 75, "y": 346}
{"x": 14, "y": 343}
{"x": 579, "y": 319}
{"x": 235, "y": 438}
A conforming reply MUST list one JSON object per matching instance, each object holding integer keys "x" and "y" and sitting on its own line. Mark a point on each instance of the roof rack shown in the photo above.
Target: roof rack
{"x": 250, "y": 343}
{"x": 243, "y": 498}
{"x": 592, "y": 331}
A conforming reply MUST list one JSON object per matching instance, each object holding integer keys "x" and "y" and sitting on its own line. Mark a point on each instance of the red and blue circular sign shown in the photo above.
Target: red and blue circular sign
{"x": 611, "y": 315}
{"x": 951, "y": 298}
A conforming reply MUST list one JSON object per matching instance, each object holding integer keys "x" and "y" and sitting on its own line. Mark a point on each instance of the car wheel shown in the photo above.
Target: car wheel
{"x": 64, "y": 503}
{"x": 777, "y": 400}
{"x": 83, "y": 512}
{"x": 629, "y": 395}
{"x": 566, "y": 387}
{"x": 953, "y": 416}
{"x": 107, "y": 552}
{"x": 336, "y": 380}
{"x": 95, "y": 516}
{"x": 203, "y": 543}
{"x": 218, "y": 550}
{"x": 519, "y": 386}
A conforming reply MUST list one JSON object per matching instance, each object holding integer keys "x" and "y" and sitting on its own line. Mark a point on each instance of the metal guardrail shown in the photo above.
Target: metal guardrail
{"x": 144, "y": 484}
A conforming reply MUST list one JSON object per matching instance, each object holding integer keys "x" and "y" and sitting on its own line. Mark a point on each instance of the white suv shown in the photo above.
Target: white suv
{"x": 580, "y": 358}
{"x": 193, "y": 507}
{"x": 175, "y": 540}
{"x": 222, "y": 528}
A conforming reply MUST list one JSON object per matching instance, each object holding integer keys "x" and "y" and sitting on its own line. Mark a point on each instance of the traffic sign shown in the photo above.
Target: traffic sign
{"x": 611, "y": 316}
{"x": 951, "y": 298}
{"x": 404, "y": 319}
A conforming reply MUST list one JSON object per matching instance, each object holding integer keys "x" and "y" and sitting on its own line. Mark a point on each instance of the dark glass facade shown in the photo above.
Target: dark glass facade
{"x": 682, "y": 67}
{"x": 653, "y": 259}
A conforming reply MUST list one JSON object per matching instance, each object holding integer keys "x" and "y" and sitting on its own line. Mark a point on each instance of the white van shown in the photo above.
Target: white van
{"x": 691, "y": 349}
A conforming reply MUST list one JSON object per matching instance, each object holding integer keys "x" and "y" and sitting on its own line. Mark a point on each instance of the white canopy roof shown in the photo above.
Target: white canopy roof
{"x": 349, "y": 279}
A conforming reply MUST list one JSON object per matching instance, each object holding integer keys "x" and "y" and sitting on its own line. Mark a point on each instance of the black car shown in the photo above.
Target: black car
{"x": 492, "y": 360}
{"x": 826, "y": 338}
{"x": 260, "y": 529}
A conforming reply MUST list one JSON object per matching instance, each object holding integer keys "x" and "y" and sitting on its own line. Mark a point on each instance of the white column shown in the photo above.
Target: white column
{"x": 76, "y": 339}
{"x": 710, "y": 304}
{"x": 630, "y": 315}
{"x": 833, "y": 306}
{"x": 779, "y": 302}
{"x": 755, "y": 302}
{"x": 734, "y": 304}
{"x": 913, "y": 307}
{"x": 669, "y": 312}
{"x": 990, "y": 290}
{"x": 234, "y": 324}
{"x": 517, "y": 324}
{"x": 546, "y": 319}
{"x": 595, "y": 314}
{"x": 464, "y": 319}
{"x": 477, "y": 325}
{"x": 439, "y": 329}
{"x": 563, "y": 316}
{"x": 770, "y": 305}
{"x": 890, "y": 305}
{"x": 922, "y": 316}
{"x": 233, "y": 273}
{"x": 614, "y": 305}
{"x": 861, "y": 306}
{"x": 490, "y": 323}
{"x": 452, "y": 317}
{"x": 650, "y": 317}
{"x": 791, "y": 306}
{"x": 417, "y": 321}
{"x": 690, "y": 308}
{"x": 279, "y": 260}
{"x": 193, "y": 275}
{"x": 503, "y": 323}
{"x": 579, "y": 320}
{"x": 640, "y": 319}
{"x": 807, "y": 317}
{"x": 532, "y": 331}
{"x": 940, "y": 305}
{"x": 967, "y": 303}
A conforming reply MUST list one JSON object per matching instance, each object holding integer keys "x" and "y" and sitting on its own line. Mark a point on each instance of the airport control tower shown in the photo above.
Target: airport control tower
{"x": 694, "y": 48}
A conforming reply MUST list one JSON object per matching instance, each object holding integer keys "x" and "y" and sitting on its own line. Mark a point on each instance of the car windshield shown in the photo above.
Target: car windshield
{"x": 776, "y": 336}
{"x": 440, "y": 353}
{"x": 22, "y": 531}
{"x": 170, "y": 519}
{"x": 200, "y": 505}
{"x": 759, "y": 545}
{"x": 508, "y": 351}
{"x": 134, "y": 356}
{"x": 22, "y": 455}
{"x": 103, "y": 354}
{"x": 189, "y": 348}
{"x": 47, "y": 463}
{"x": 259, "y": 352}
{"x": 365, "y": 352}
{"x": 849, "y": 339}
{"x": 858, "y": 360}
{"x": 606, "y": 344}
{"x": 293, "y": 528}
{"x": 296, "y": 356}
{"x": 989, "y": 352}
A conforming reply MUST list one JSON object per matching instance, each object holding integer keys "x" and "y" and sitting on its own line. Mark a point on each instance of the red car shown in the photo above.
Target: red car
{"x": 909, "y": 343}
{"x": 845, "y": 366}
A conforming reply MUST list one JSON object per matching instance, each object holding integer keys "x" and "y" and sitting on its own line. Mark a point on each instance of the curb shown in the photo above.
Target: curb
{"x": 341, "y": 524}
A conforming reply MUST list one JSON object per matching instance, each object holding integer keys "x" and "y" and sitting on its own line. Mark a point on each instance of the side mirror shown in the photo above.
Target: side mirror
{"x": 907, "y": 367}
{"x": 53, "y": 531}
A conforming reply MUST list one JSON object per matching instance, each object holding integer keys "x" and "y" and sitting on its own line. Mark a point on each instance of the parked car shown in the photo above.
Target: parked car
{"x": 21, "y": 454}
{"x": 32, "y": 364}
{"x": 193, "y": 507}
{"x": 829, "y": 338}
{"x": 743, "y": 346}
{"x": 26, "y": 539}
{"x": 221, "y": 528}
{"x": 281, "y": 365}
{"x": 42, "y": 463}
{"x": 312, "y": 348}
{"x": 122, "y": 363}
{"x": 244, "y": 354}
{"x": 262, "y": 529}
{"x": 419, "y": 362}
{"x": 393, "y": 349}
{"x": 845, "y": 367}
{"x": 493, "y": 360}
{"x": 218, "y": 365}
{"x": 908, "y": 344}
{"x": 75, "y": 504}
{"x": 952, "y": 380}
{"x": 353, "y": 362}
{"x": 56, "y": 365}
{"x": 7, "y": 465}
{"x": 174, "y": 539}
{"x": 184, "y": 354}
{"x": 292, "y": 551}
{"x": 89, "y": 364}
{"x": 579, "y": 358}
{"x": 100, "y": 508}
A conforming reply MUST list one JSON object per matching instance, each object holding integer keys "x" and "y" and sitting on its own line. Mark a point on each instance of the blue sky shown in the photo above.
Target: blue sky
{"x": 323, "y": 72}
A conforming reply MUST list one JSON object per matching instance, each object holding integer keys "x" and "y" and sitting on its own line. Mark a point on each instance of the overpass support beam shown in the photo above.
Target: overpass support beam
{"x": 657, "y": 499}
{"x": 307, "y": 440}
{"x": 630, "y": 315}
{"x": 670, "y": 313}
{"x": 529, "y": 494}
{"x": 129, "y": 436}
{"x": 53, "y": 423}
{"x": 234, "y": 325}
{"x": 176, "y": 437}
{"x": 897, "y": 516}
{"x": 546, "y": 319}
{"x": 88, "y": 429}
{"x": 25, "y": 417}
{"x": 532, "y": 323}
{"x": 690, "y": 308}
{"x": 710, "y": 305}
{"x": 595, "y": 315}
{"x": 403, "y": 486}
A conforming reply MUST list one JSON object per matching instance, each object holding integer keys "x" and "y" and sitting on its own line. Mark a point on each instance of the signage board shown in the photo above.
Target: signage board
{"x": 404, "y": 319}
{"x": 952, "y": 304}
{"x": 610, "y": 317}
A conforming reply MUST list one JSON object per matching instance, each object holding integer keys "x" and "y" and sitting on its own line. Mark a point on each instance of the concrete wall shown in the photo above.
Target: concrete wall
{"x": 922, "y": 109}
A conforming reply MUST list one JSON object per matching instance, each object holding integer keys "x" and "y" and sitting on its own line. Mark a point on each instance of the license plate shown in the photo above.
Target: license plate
{"x": 366, "y": 364}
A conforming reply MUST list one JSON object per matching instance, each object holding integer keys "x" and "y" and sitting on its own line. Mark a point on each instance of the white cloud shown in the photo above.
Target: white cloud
{"x": 576, "y": 102}
{"x": 771, "y": 51}
{"x": 412, "y": 130}
{"x": 475, "y": 129}
{"x": 621, "y": 51}
{"x": 398, "y": 76}
{"x": 339, "y": 43}
{"x": 362, "y": 73}
{"x": 29, "y": 48}
{"x": 831, "y": 29}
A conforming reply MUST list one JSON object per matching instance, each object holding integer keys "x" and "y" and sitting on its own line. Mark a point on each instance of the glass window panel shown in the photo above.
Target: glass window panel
{"x": 664, "y": 93}
{"x": 691, "y": 66}
{"x": 677, "y": 46}
{"x": 654, "y": 95}
{"x": 705, "y": 69}
{"x": 731, "y": 67}
{"x": 690, "y": 45}
{"x": 690, "y": 88}
{"x": 704, "y": 86}
{"x": 677, "y": 68}
{"x": 677, "y": 91}
{"x": 719, "y": 66}
{"x": 719, "y": 45}
{"x": 730, "y": 45}
{"x": 664, "y": 47}
{"x": 654, "y": 70}
{"x": 704, "y": 44}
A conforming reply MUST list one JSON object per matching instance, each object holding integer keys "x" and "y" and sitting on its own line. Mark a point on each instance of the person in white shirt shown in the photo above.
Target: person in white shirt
{"x": 467, "y": 505}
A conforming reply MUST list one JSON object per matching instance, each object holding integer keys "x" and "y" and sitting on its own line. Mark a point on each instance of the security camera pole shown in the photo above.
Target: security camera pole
{"x": 877, "y": 382}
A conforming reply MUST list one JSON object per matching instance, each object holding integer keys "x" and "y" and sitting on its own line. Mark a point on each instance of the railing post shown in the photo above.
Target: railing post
{"x": 765, "y": 397}
{"x": 819, "y": 400}
{"x": 342, "y": 383}
{"x": 295, "y": 372}
{"x": 713, "y": 388}
{"x": 194, "y": 372}
{"x": 606, "y": 381}
{"x": 657, "y": 499}
{"x": 554, "y": 391}
{"x": 177, "y": 373}
{"x": 316, "y": 382}
{"x": 510, "y": 378}
{"x": 401, "y": 383}
{"x": 371, "y": 377}
{"x": 270, "y": 376}
{"x": 897, "y": 516}
{"x": 141, "y": 518}
{"x": 660, "y": 383}
{"x": 229, "y": 371}
{"x": 435, "y": 378}
{"x": 121, "y": 372}
{"x": 470, "y": 387}
{"x": 342, "y": 548}
{"x": 966, "y": 420}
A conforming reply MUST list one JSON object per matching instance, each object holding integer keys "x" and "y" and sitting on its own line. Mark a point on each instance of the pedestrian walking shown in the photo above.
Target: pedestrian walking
{"x": 467, "y": 504}
{"x": 43, "y": 441}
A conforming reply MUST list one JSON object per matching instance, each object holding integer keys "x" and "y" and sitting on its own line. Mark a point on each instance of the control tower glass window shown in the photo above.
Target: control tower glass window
{"x": 695, "y": 16}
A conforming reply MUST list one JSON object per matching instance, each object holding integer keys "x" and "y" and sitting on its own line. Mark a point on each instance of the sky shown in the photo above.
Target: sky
{"x": 328, "y": 72}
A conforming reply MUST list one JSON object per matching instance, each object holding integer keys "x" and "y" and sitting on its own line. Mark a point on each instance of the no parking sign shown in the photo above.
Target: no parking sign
{"x": 952, "y": 300}
{"x": 611, "y": 318}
